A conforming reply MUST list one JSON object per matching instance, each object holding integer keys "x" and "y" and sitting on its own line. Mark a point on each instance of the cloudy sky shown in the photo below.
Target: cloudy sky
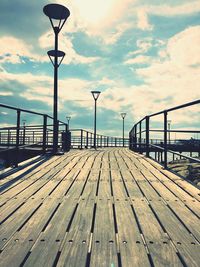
{"x": 143, "y": 55}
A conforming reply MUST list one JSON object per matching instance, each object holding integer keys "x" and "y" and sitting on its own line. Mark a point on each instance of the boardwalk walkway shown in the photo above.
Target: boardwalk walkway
{"x": 110, "y": 207}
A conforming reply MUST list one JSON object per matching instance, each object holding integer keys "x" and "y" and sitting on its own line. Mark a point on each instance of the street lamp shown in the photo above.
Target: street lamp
{"x": 95, "y": 95}
{"x": 123, "y": 115}
{"x": 68, "y": 119}
{"x": 169, "y": 124}
{"x": 58, "y": 13}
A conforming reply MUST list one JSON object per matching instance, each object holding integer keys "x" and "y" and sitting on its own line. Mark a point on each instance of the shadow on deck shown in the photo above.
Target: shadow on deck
{"x": 110, "y": 207}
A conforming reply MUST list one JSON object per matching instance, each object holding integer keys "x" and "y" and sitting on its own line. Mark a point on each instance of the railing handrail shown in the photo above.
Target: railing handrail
{"x": 170, "y": 109}
{"x": 136, "y": 135}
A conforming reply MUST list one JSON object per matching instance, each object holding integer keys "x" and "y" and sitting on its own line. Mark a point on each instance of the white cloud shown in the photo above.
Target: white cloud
{"x": 65, "y": 45}
{"x": 5, "y": 93}
{"x": 98, "y": 18}
{"x": 181, "y": 9}
{"x": 143, "y": 22}
{"x": 184, "y": 47}
{"x": 139, "y": 60}
{"x": 178, "y": 75}
{"x": 12, "y": 49}
{"x": 168, "y": 82}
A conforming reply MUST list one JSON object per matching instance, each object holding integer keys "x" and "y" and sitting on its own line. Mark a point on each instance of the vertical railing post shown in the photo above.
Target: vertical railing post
{"x": 134, "y": 138}
{"x": 147, "y": 136}
{"x": 136, "y": 141}
{"x": 81, "y": 139}
{"x": 87, "y": 139}
{"x": 33, "y": 136}
{"x": 116, "y": 142}
{"x": 91, "y": 140}
{"x": 107, "y": 141}
{"x": 24, "y": 134}
{"x": 101, "y": 140}
{"x": 44, "y": 142}
{"x": 17, "y": 138}
{"x": 8, "y": 137}
{"x": 140, "y": 136}
{"x": 165, "y": 139}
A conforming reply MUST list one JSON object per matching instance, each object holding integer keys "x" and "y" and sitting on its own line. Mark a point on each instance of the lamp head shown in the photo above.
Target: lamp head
{"x": 123, "y": 115}
{"x": 59, "y": 54}
{"x": 95, "y": 94}
{"x": 56, "y": 12}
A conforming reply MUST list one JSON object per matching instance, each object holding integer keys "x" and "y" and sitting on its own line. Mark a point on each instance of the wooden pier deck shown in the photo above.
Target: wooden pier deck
{"x": 109, "y": 207}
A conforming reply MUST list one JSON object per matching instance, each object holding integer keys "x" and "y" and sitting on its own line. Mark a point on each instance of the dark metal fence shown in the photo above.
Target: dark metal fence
{"x": 21, "y": 141}
{"x": 25, "y": 140}
{"x": 84, "y": 139}
{"x": 160, "y": 149}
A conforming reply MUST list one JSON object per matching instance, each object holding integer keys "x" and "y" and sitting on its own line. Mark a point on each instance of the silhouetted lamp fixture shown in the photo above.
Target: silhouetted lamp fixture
{"x": 57, "y": 14}
{"x": 123, "y": 115}
{"x": 68, "y": 119}
{"x": 95, "y": 95}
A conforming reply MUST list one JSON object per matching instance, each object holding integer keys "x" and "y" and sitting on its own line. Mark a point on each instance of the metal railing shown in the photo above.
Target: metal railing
{"x": 22, "y": 139}
{"x": 85, "y": 139}
{"x": 161, "y": 147}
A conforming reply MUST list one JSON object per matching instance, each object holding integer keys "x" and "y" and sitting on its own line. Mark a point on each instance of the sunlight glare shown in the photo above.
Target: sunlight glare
{"x": 95, "y": 11}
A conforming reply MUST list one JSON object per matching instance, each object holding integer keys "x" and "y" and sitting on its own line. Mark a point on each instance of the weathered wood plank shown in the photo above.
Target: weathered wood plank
{"x": 131, "y": 246}
{"x": 185, "y": 243}
{"x": 74, "y": 251}
{"x": 161, "y": 250}
{"x": 19, "y": 246}
{"x": 44, "y": 253}
{"x": 104, "y": 247}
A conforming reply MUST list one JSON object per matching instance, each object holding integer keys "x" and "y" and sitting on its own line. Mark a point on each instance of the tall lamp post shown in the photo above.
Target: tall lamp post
{"x": 95, "y": 95}
{"x": 169, "y": 128}
{"x": 123, "y": 115}
{"x": 68, "y": 119}
{"x": 58, "y": 13}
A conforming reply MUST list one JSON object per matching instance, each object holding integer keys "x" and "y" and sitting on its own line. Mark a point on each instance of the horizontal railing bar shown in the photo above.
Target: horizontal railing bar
{"x": 177, "y": 107}
{"x": 176, "y": 131}
{"x": 176, "y": 153}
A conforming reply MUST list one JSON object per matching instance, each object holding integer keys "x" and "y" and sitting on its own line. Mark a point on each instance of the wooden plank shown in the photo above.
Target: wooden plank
{"x": 185, "y": 185}
{"x": 119, "y": 191}
{"x": 74, "y": 251}
{"x": 161, "y": 250}
{"x": 44, "y": 186}
{"x": 9, "y": 227}
{"x": 190, "y": 220}
{"x": 76, "y": 189}
{"x": 144, "y": 185}
{"x": 52, "y": 169}
{"x": 104, "y": 247}
{"x": 172, "y": 185}
{"x": 18, "y": 247}
{"x": 131, "y": 246}
{"x": 44, "y": 253}
{"x": 162, "y": 190}
{"x": 27, "y": 179}
{"x": 194, "y": 206}
{"x": 185, "y": 243}
{"x": 104, "y": 190}
{"x": 131, "y": 185}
